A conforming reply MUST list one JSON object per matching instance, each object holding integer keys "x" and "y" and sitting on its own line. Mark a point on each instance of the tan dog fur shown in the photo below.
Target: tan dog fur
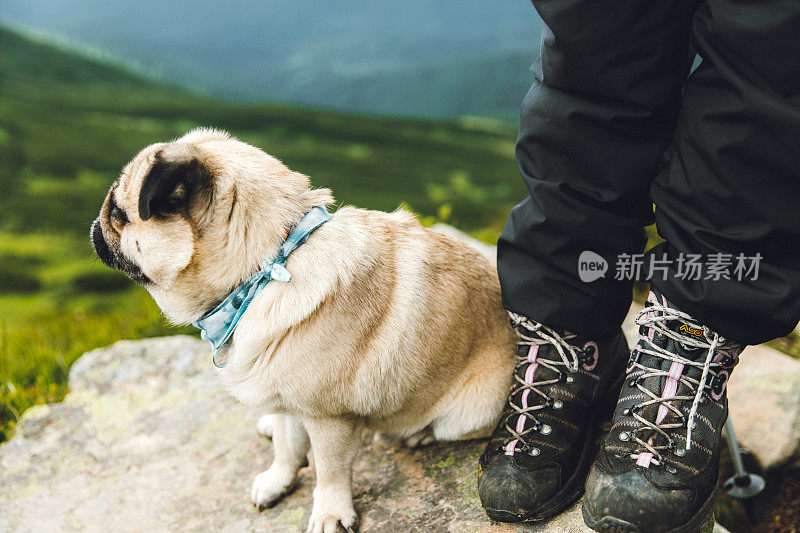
{"x": 385, "y": 324}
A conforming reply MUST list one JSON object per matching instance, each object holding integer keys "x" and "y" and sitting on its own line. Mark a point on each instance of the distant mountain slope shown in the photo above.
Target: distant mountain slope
{"x": 443, "y": 57}
{"x": 24, "y": 60}
{"x": 487, "y": 85}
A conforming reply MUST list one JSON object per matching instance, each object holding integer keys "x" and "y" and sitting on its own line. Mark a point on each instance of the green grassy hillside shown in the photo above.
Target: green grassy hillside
{"x": 68, "y": 124}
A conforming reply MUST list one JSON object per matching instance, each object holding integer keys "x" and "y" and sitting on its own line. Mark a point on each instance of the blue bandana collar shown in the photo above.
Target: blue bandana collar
{"x": 217, "y": 325}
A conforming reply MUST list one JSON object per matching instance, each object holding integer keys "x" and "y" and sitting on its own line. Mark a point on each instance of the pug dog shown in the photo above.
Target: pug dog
{"x": 385, "y": 324}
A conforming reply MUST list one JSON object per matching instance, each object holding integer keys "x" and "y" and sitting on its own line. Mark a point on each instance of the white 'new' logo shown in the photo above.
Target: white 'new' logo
{"x": 591, "y": 266}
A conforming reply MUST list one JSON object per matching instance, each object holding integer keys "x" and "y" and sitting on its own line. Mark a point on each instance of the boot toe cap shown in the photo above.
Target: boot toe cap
{"x": 512, "y": 494}
{"x": 629, "y": 498}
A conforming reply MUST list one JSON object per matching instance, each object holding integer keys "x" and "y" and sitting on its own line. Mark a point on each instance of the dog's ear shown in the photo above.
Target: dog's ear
{"x": 176, "y": 180}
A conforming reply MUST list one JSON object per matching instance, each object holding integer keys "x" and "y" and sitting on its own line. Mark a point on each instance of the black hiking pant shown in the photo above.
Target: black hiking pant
{"x": 614, "y": 123}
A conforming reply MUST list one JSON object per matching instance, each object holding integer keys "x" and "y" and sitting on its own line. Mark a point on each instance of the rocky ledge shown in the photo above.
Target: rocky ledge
{"x": 147, "y": 440}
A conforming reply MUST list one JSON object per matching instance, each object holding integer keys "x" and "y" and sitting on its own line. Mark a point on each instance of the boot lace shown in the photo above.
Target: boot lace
{"x": 657, "y": 318}
{"x": 535, "y": 334}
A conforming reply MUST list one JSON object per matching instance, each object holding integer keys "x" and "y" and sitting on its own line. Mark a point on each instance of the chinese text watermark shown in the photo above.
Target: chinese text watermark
{"x": 690, "y": 267}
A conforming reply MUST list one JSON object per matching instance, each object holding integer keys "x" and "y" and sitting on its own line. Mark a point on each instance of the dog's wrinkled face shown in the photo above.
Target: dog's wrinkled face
{"x": 153, "y": 203}
{"x": 192, "y": 218}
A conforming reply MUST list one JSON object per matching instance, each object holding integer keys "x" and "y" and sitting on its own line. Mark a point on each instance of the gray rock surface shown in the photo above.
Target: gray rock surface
{"x": 147, "y": 440}
{"x": 764, "y": 397}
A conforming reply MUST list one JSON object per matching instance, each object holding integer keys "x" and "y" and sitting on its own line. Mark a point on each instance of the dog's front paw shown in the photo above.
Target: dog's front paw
{"x": 265, "y": 425}
{"x": 332, "y": 521}
{"x": 270, "y": 486}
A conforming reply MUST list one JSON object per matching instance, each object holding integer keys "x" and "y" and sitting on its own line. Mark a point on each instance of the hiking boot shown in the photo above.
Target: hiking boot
{"x": 537, "y": 458}
{"x": 657, "y": 468}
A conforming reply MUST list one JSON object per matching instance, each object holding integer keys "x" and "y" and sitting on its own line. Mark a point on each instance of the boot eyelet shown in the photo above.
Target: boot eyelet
{"x": 545, "y": 430}
{"x": 558, "y": 404}
{"x": 680, "y": 452}
{"x": 624, "y": 436}
{"x": 570, "y": 379}
{"x": 534, "y": 452}
{"x": 588, "y": 356}
{"x": 632, "y": 383}
{"x": 619, "y": 455}
{"x": 626, "y": 411}
{"x": 672, "y": 470}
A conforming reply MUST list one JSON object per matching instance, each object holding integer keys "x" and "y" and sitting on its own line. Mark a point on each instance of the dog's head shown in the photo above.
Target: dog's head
{"x": 192, "y": 218}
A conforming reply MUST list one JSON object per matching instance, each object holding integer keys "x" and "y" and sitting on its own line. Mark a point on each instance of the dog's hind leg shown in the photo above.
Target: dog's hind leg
{"x": 335, "y": 443}
{"x": 290, "y": 445}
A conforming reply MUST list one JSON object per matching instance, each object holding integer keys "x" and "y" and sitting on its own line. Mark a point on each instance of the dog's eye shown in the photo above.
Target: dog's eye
{"x": 118, "y": 218}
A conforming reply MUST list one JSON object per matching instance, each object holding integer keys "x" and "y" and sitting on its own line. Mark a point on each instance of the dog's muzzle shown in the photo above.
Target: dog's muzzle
{"x": 114, "y": 259}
